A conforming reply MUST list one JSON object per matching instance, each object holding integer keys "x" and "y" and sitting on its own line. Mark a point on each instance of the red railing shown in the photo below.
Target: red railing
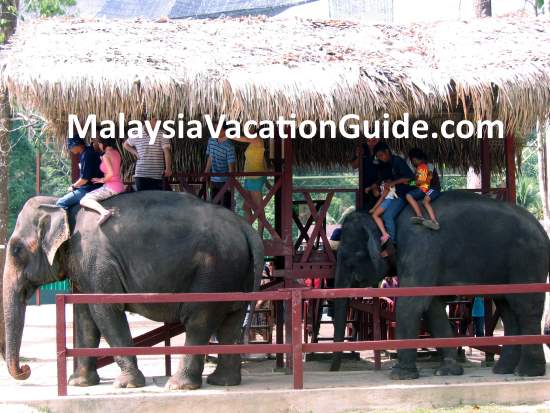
{"x": 294, "y": 346}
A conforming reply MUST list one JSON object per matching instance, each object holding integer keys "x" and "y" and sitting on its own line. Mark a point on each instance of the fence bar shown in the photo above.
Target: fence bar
{"x": 425, "y": 342}
{"x": 174, "y": 298}
{"x": 61, "y": 344}
{"x": 297, "y": 361}
{"x": 429, "y": 291}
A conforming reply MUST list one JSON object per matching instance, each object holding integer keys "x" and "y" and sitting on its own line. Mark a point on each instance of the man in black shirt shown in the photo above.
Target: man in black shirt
{"x": 89, "y": 168}
{"x": 401, "y": 174}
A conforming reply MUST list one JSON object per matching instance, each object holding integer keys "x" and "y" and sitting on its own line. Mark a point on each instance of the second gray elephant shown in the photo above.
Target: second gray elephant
{"x": 157, "y": 242}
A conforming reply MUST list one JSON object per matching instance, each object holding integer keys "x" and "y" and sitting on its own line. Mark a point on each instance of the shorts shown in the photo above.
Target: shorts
{"x": 255, "y": 184}
{"x": 386, "y": 203}
{"x": 100, "y": 194}
{"x": 418, "y": 194}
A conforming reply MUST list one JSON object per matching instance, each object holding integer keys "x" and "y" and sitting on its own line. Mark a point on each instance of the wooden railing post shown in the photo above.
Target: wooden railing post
{"x": 61, "y": 344}
{"x": 297, "y": 355}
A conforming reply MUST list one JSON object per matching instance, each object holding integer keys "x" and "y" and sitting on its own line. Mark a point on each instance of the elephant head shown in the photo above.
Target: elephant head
{"x": 359, "y": 264}
{"x": 40, "y": 231}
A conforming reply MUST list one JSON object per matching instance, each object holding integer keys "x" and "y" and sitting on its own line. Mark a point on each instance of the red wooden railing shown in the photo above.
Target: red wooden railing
{"x": 295, "y": 346}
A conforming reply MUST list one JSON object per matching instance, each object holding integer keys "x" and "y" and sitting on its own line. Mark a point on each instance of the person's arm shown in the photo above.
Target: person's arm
{"x": 404, "y": 173}
{"x": 80, "y": 182}
{"x": 231, "y": 158}
{"x": 108, "y": 173}
{"x": 167, "y": 161}
{"x": 129, "y": 148}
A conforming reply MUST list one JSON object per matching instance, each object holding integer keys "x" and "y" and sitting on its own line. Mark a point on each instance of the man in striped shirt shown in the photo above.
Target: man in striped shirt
{"x": 154, "y": 161}
{"x": 221, "y": 159}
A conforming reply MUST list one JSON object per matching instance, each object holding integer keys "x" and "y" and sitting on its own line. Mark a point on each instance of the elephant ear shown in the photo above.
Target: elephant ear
{"x": 373, "y": 245}
{"x": 53, "y": 229}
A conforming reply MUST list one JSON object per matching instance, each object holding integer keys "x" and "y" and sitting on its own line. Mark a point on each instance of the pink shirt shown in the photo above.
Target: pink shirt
{"x": 115, "y": 183}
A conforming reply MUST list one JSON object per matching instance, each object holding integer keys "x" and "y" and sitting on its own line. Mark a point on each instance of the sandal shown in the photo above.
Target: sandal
{"x": 428, "y": 223}
{"x": 417, "y": 220}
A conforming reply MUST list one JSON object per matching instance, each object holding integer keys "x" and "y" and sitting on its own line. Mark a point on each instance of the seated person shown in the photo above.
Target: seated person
{"x": 112, "y": 181}
{"x": 387, "y": 195}
{"x": 88, "y": 164}
{"x": 422, "y": 191}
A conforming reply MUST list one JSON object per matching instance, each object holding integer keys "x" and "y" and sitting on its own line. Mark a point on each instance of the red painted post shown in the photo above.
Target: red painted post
{"x": 297, "y": 362}
{"x": 167, "y": 357}
{"x": 485, "y": 165}
{"x": 510, "y": 152}
{"x": 61, "y": 343}
{"x": 279, "y": 261}
{"x": 376, "y": 331}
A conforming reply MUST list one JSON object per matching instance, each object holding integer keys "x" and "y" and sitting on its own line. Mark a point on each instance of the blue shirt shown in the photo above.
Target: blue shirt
{"x": 89, "y": 167}
{"x": 223, "y": 154}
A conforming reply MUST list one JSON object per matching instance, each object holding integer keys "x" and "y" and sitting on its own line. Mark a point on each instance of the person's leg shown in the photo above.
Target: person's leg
{"x": 390, "y": 214}
{"x": 257, "y": 198}
{"x": 148, "y": 184}
{"x": 411, "y": 199}
{"x": 376, "y": 216}
{"x": 90, "y": 201}
{"x": 70, "y": 199}
{"x": 227, "y": 199}
{"x": 428, "y": 206}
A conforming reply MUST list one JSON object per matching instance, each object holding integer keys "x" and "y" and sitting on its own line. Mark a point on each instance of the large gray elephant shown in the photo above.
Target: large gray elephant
{"x": 157, "y": 242}
{"x": 481, "y": 241}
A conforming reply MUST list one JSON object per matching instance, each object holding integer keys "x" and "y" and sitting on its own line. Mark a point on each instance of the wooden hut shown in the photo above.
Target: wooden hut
{"x": 255, "y": 68}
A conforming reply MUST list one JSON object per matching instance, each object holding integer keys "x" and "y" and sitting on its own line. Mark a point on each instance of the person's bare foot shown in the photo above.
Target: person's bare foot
{"x": 104, "y": 217}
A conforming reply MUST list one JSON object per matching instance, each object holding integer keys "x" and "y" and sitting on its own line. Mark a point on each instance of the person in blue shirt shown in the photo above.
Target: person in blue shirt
{"x": 478, "y": 317}
{"x": 89, "y": 169}
{"x": 400, "y": 174}
{"x": 221, "y": 159}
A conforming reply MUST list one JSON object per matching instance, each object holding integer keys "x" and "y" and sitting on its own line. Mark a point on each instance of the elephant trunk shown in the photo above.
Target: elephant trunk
{"x": 14, "y": 316}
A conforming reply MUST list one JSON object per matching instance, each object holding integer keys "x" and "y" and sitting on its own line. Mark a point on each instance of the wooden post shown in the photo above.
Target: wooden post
{"x": 279, "y": 261}
{"x": 485, "y": 165}
{"x": 510, "y": 153}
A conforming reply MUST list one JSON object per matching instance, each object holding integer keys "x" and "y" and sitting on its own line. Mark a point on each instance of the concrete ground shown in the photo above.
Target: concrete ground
{"x": 357, "y": 388}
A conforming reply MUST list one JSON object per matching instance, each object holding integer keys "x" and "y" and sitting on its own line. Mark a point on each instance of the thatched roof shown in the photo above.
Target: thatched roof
{"x": 257, "y": 68}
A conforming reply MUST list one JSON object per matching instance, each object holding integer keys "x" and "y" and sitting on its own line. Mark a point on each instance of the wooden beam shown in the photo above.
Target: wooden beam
{"x": 485, "y": 165}
{"x": 510, "y": 153}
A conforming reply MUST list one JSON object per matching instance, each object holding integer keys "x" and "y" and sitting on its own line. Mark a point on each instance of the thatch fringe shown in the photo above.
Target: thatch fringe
{"x": 257, "y": 68}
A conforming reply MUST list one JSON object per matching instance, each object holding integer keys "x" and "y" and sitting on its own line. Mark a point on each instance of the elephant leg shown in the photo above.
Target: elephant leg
{"x": 409, "y": 312}
{"x": 529, "y": 310}
{"x": 438, "y": 323}
{"x": 87, "y": 335}
{"x": 228, "y": 370}
{"x": 113, "y": 325}
{"x": 510, "y": 355}
{"x": 199, "y": 328}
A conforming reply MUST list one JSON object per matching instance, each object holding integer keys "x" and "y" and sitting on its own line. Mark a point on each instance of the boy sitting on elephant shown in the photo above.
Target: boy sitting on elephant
{"x": 423, "y": 190}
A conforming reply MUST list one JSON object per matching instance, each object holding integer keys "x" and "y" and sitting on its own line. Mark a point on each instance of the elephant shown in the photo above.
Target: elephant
{"x": 481, "y": 241}
{"x": 156, "y": 242}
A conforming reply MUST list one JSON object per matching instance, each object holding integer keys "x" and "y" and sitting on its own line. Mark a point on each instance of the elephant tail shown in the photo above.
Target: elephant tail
{"x": 254, "y": 279}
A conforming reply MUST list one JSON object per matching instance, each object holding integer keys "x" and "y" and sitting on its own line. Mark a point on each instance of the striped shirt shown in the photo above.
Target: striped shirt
{"x": 150, "y": 162}
{"x": 223, "y": 154}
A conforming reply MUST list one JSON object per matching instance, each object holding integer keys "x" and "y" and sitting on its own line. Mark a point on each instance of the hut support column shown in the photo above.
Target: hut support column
{"x": 485, "y": 165}
{"x": 510, "y": 153}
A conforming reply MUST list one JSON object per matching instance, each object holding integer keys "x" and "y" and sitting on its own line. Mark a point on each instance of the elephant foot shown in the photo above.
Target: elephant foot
{"x": 503, "y": 367}
{"x": 530, "y": 369}
{"x": 130, "y": 380}
{"x": 399, "y": 373}
{"x": 336, "y": 363}
{"x": 84, "y": 379}
{"x": 223, "y": 379}
{"x": 449, "y": 367}
{"x": 183, "y": 383}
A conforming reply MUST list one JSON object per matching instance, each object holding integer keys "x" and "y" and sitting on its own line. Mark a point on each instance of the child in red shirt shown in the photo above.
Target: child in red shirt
{"x": 422, "y": 191}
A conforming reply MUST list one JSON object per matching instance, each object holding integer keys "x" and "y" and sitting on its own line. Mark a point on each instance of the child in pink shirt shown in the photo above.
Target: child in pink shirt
{"x": 112, "y": 181}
